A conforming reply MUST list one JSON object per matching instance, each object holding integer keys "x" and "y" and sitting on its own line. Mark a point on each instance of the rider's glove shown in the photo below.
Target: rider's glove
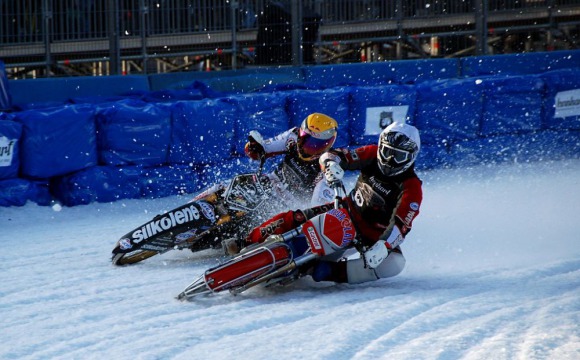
{"x": 254, "y": 148}
{"x": 333, "y": 172}
{"x": 376, "y": 254}
{"x": 326, "y": 158}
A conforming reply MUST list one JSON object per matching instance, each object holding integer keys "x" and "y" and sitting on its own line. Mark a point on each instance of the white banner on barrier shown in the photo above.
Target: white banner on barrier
{"x": 6, "y": 150}
{"x": 567, "y": 103}
{"x": 378, "y": 118}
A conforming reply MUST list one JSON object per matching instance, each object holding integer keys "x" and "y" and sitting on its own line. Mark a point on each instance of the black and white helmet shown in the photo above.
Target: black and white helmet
{"x": 399, "y": 144}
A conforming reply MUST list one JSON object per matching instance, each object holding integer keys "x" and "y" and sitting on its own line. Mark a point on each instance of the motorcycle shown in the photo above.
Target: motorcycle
{"x": 280, "y": 259}
{"x": 195, "y": 224}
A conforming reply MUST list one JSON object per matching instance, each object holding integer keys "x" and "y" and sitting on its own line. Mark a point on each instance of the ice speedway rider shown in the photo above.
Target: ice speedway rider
{"x": 383, "y": 204}
{"x": 297, "y": 179}
{"x": 298, "y": 173}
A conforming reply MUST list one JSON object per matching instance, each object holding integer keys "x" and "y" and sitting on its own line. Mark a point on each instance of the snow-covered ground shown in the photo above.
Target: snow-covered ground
{"x": 493, "y": 272}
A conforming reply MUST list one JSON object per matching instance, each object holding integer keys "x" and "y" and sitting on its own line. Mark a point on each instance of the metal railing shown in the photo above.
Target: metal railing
{"x": 40, "y": 38}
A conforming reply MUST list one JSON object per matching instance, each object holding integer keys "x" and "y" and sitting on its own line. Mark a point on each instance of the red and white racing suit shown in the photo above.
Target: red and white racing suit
{"x": 382, "y": 208}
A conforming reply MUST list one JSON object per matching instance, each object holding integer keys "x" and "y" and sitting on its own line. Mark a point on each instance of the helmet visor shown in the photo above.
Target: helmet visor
{"x": 309, "y": 146}
{"x": 393, "y": 156}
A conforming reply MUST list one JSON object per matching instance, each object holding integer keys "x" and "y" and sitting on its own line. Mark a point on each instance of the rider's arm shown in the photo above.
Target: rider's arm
{"x": 351, "y": 159}
{"x": 276, "y": 145}
{"x": 405, "y": 213}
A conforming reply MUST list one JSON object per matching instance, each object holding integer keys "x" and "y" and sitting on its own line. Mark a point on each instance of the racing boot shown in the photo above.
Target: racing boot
{"x": 329, "y": 271}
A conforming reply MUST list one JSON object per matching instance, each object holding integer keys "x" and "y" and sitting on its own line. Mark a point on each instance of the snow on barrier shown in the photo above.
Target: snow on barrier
{"x": 176, "y": 141}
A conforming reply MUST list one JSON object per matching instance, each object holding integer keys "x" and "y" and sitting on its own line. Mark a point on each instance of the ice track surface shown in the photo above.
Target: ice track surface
{"x": 493, "y": 272}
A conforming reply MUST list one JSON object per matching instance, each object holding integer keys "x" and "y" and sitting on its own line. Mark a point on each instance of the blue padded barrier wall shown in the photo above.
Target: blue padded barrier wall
{"x": 512, "y": 104}
{"x": 332, "y": 102}
{"x": 132, "y": 132}
{"x": 519, "y": 64}
{"x": 374, "y": 108}
{"x": 10, "y": 135}
{"x": 192, "y": 137}
{"x": 245, "y": 80}
{"x": 98, "y": 183}
{"x": 381, "y": 73}
{"x": 562, "y": 99}
{"x": 34, "y": 93}
{"x": 263, "y": 112}
{"x": 449, "y": 110}
{"x": 431, "y": 157}
{"x": 106, "y": 184}
{"x": 203, "y": 131}
{"x": 57, "y": 141}
{"x": 17, "y": 191}
{"x": 172, "y": 95}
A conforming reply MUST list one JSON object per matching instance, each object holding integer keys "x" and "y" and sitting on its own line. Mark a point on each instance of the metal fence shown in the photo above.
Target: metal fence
{"x": 41, "y": 38}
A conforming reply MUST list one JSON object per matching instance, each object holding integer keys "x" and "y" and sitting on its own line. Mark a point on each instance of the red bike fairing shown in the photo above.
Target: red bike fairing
{"x": 379, "y": 202}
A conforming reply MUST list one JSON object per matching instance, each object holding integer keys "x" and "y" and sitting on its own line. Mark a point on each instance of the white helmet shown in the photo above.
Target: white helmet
{"x": 399, "y": 144}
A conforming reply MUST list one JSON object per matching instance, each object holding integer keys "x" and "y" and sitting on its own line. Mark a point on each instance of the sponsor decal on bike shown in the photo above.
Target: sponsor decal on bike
{"x": 313, "y": 238}
{"x": 185, "y": 236}
{"x": 125, "y": 244}
{"x": 271, "y": 227}
{"x": 154, "y": 248}
{"x": 207, "y": 211}
{"x": 338, "y": 218}
{"x": 165, "y": 222}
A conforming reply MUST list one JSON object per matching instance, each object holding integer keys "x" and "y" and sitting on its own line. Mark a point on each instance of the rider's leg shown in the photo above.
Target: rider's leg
{"x": 354, "y": 271}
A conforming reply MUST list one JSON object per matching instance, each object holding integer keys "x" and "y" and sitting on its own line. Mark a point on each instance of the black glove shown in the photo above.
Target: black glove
{"x": 254, "y": 149}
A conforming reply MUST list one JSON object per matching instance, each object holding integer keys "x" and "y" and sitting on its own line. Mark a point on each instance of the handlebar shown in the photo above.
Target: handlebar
{"x": 337, "y": 186}
{"x": 262, "y": 162}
